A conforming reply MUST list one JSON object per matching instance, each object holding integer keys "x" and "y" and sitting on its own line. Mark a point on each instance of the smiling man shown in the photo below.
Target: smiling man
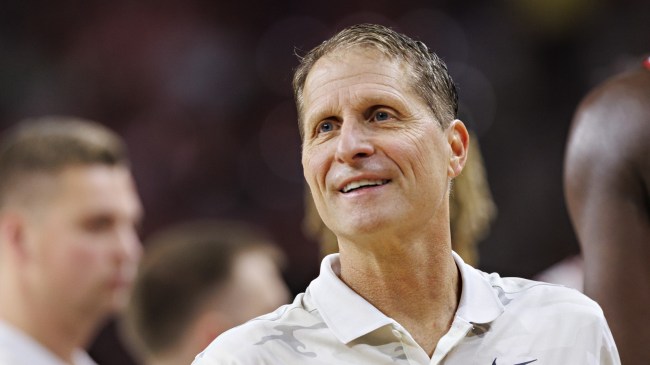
{"x": 381, "y": 146}
{"x": 68, "y": 242}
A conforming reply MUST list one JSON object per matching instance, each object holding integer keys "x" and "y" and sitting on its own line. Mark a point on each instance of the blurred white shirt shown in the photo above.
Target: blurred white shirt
{"x": 17, "y": 348}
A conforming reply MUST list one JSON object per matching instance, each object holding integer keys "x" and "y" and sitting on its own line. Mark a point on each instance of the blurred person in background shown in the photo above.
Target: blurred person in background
{"x": 197, "y": 280}
{"x": 381, "y": 146}
{"x": 607, "y": 180}
{"x": 68, "y": 242}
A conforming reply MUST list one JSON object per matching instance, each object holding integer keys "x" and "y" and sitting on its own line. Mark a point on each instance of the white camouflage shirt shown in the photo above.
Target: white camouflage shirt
{"x": 499, "y": 321}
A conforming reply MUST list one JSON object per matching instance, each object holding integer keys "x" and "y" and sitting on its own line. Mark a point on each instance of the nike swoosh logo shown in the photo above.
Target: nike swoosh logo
{"x": 521, "y": 363}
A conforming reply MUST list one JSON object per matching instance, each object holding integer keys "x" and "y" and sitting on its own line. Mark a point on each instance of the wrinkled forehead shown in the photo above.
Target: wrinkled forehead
{"x": 347, "y": 65}
{"x": 361, "y": 73}
{"x": 360, "y": 55}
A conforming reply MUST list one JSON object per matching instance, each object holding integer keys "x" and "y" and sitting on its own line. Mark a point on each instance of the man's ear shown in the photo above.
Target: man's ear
{"x": 458, "y": 139}
{"x": 12, "y": 234}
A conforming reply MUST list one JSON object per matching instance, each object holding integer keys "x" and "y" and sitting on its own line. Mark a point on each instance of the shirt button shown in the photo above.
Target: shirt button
{"x": 397, "y": 334}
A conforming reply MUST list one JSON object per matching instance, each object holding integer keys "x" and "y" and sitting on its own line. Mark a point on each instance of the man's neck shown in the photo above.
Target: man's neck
{"x": 173, "y": 356}
{"x": 415, "y": 283}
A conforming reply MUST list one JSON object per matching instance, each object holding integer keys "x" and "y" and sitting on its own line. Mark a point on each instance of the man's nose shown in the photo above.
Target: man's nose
{"x": 130, "y": 247}
{"x": 354, "y": 142}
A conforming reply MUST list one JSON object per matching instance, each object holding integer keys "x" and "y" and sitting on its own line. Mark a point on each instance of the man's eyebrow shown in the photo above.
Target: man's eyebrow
{"x": 319, "y": 114}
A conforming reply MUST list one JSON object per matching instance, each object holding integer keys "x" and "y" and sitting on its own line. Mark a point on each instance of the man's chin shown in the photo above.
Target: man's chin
{"x": 359, "y": 228}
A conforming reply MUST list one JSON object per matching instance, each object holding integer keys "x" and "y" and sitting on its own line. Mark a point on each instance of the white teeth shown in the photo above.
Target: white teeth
{"x": 361, "y": 183}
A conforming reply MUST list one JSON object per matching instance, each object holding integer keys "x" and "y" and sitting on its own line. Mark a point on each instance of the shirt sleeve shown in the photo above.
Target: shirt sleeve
{"x": 608, "y": 351}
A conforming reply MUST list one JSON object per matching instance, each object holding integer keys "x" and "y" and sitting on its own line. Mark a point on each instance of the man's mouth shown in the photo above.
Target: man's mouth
{"x": 360, "y": 184}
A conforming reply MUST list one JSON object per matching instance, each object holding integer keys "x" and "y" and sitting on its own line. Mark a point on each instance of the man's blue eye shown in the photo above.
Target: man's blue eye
{"x": 382, "y": 116}
{"x": 325, "y": 127}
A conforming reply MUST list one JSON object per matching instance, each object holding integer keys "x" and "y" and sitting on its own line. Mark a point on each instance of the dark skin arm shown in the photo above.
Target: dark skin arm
{"x": 607, "y": 182}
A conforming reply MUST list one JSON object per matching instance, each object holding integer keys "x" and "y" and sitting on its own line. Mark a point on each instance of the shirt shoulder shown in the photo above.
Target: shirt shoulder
{"x": 541, "y": 295}
{"x": 549, "y": 321}
{"x": 553, "y": 311}
{"x": 263, "y": 339}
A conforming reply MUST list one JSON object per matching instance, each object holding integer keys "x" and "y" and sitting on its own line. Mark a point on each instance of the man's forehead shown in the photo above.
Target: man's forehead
{"x": 95, "y": 185}
{"x": 365, "y": 72}
{"x": 356, "y": 57}
{"x": 351, "y": 65}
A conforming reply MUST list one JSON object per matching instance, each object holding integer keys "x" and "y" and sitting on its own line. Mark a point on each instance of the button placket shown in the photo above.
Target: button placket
{"x": 415, "y": 355}
{"x": 397, "y": 334}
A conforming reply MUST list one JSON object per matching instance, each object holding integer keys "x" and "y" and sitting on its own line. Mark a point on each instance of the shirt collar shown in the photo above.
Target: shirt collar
{"x": 345, "y": 312}
{"x": 479, "y": 303}
{"x": 349, "y": 316}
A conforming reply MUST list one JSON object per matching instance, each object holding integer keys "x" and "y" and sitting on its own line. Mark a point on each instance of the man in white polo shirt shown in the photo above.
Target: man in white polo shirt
{"x": 381, "y": 145}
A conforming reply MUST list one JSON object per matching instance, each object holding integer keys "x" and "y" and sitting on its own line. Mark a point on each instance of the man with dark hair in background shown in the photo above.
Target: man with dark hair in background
{"x": 381, "y": 146}
{"x": 68, "y": 242}
{"x": 607, "y": 182}
{"x": 197, "y": 280}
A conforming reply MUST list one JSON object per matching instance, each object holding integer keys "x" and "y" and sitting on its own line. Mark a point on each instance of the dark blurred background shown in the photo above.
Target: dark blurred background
{"x": 201, "y": 91}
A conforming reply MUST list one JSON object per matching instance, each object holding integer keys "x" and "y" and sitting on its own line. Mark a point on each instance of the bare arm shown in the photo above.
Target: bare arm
{"x": 607, "y": 177}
